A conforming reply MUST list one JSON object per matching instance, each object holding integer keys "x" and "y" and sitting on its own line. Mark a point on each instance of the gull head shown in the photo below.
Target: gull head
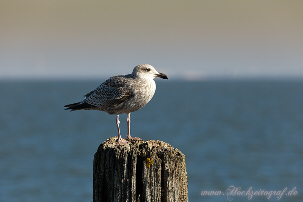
{"x": 147, "y": 71}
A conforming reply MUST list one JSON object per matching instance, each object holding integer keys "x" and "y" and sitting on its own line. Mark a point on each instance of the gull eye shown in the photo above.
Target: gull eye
{"x": 147, "y": 69}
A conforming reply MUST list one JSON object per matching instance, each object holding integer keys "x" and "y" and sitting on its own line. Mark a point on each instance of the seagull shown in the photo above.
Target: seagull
{"x": 122, "y": 94}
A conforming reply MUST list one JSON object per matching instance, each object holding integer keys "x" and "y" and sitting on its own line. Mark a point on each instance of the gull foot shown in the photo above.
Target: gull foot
{"x": 122, "y": 141}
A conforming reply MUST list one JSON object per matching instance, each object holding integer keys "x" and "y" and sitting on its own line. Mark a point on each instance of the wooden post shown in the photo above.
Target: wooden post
{"x": 140, "y": 171}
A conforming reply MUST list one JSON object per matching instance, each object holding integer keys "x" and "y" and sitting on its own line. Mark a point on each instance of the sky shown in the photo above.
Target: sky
{"x": 184, "y": 39}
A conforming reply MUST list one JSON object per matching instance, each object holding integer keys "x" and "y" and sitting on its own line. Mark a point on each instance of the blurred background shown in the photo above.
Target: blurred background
{"x": 233, "y": 103}
{"x": 187, "y": 39}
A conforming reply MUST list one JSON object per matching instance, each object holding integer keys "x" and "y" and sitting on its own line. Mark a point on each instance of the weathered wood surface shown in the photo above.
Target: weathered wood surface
{"x": 140, "y": 171}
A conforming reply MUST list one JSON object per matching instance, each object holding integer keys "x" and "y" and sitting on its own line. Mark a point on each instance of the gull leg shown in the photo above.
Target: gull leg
{"x": 118, "y": 122}
{"x": 128, "y": 129}
{"x": 120, "y": 140}
{"x": 128, "y": 125}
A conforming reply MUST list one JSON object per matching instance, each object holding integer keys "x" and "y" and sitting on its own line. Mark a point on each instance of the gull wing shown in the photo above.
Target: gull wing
{"x": 110, "y": 93}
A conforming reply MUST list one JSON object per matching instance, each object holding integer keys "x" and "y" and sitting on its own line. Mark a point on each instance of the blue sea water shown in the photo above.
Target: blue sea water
{"x": 242, "y": 134}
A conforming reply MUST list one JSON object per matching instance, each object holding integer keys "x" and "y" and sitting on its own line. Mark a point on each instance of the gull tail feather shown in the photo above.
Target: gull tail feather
{"x": 79, "y": 106}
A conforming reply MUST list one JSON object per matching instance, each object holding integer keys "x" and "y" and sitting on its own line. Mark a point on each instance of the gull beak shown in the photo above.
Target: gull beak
{"x": 161, "y": 75}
